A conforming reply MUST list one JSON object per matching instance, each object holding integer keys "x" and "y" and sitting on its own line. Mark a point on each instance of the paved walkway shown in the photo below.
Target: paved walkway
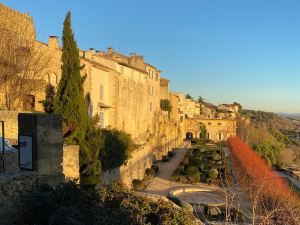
{"x": 162, "y": 184}
{"x": 295, "y": 182}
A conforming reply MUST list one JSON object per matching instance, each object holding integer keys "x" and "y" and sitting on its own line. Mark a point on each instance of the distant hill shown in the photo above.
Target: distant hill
{"x": 295, "y": 116}
{"x": 281, "y": 121}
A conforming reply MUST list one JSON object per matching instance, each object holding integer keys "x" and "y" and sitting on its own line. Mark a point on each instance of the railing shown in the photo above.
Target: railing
{"x": 291, "y": 173}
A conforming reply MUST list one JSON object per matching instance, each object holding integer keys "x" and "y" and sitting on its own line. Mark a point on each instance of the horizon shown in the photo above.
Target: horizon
{"x": 226, "y": 52}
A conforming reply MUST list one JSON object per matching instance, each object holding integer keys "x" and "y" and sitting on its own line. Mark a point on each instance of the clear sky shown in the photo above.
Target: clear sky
{"x": 224, "y": 50}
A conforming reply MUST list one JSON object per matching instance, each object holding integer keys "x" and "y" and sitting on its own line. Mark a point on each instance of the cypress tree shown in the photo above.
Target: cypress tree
{"x": 69, "y": 101}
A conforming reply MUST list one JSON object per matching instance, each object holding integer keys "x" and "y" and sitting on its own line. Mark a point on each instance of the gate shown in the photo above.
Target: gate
{"x": 2, "y": 146}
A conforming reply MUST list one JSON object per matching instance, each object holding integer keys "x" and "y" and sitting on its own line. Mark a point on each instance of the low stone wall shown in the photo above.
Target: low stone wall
{"x": 12, "y": 185}
{"x": 70, "y": 162}
{"x": 133, "y": 169}
{"x": 11, "y": 162}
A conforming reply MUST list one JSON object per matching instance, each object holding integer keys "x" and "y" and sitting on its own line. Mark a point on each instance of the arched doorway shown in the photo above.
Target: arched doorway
{"x": 189, "y": 135}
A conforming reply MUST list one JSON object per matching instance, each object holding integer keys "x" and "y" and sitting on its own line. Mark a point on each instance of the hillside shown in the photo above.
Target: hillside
{"x": 273, "y": 136}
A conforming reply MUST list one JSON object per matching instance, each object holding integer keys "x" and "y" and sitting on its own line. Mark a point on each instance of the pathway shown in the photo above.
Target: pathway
{"x": 161, "y": 184}
{"x": 295, "y": 182}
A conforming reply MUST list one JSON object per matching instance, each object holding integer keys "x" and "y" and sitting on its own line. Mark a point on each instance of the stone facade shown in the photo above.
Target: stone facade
{"x": 47, "y": 143}
{"x": 217, "y": 129}
{"x": 122, "y": 90}
{"x": 70, "y": 162}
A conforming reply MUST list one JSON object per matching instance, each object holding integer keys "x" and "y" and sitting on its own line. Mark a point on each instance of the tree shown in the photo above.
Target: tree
{"x": 200, "y": 99}
{"x": 117, "y": 148}
{"x": 203, "y": 131}
{"x": 271, "y": 199}
{"x": 188, "y": 96}
{"x": 69, "y": 101}
{"x": 49, "y": 100}
{"x": 165, "y": 105}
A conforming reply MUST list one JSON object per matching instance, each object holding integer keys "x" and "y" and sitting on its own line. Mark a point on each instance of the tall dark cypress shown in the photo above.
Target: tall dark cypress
{"x": 69, "y": 101}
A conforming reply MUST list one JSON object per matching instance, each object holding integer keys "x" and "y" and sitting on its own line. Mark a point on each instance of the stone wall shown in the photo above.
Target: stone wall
{"x": 12, "y": 185}
{"x": 10, "y": 119}
{"x": 71, "y": 162}
{"x": 134, "y": 168}
{"x": 11, "y": 162}
{"x": 166, "y": 137}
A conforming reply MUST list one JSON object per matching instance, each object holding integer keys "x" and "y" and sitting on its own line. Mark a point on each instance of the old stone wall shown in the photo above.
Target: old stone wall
{"x": 166, "y": 137}
{"x": 10, "y": 119}
{"x": 12, "y": 185}
{"x": 70, "y": 162}
{"x": 11, "y": 162}
{"x": 134, "y": 168}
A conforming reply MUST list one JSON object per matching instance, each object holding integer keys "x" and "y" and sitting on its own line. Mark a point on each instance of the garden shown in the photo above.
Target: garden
{"x": 203, "y": 163}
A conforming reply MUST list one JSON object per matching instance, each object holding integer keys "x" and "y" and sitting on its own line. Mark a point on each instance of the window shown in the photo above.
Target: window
{"x": 156, "y": 76}
{"x": 219, "y": 123}
{"x": 209, "y": 123}
{"x": 101, "y": 92}
{"x": 152, "y": 90}
{"x": 101, "y": 119}
{"x": 150, "y": 106}
{"x": 219, "y": 136}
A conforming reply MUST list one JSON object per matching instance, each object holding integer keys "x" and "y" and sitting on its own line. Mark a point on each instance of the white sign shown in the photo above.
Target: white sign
{"x": 25, "y": 152}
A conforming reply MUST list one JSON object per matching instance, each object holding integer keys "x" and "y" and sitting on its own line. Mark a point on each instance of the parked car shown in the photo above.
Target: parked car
{"x": 7, "y": 146}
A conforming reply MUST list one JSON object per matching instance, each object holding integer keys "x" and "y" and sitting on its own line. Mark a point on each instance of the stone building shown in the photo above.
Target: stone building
{"x": 217, "y": 129}
{"x": 26, "y": 65}
{"x": 123, "y": 91}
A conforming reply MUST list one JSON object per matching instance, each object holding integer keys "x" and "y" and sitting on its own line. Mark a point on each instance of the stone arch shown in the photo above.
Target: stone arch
{"x": 189, "y": 135}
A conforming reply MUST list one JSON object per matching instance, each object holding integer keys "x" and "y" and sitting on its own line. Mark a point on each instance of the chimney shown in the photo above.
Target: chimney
{"x": 53, "y": 42}
{"x": 109, "y": 50}
{"x": 92, "y": 51}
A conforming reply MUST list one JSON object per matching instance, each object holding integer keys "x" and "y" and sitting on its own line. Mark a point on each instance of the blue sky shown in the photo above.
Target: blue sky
{"x": 224, "y": 50}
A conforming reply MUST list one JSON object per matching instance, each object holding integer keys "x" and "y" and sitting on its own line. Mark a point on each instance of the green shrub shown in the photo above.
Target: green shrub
{"x": 171, "y": 154}
{"x": 185, "y": 161}
{"x": 175, "y": 200}
{"x": 113, "y": 204}
{"x": 201, "y": 166}
{"x": 216, "y": 157}
{"x": 138, "y": 184}
{"x": 195, "y": 161}
{"x": 176, "y": 175}
{"x": 149, "y": 172}
{"x": 117, "y": 148}
{"x": 186, "y": 206}
{"x": 181, "y": 167}
{"x": 208, "y": 180}
{"x": 193, "y": 173}
{"x": 165, "y": 105}
{"x": 213, "y": 173}
{"x": 165, "y": 158}
{"x": 156, "y": 168}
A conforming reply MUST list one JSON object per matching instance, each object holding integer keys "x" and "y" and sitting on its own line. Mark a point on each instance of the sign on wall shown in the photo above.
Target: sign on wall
{"x": 25, "y": 152}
